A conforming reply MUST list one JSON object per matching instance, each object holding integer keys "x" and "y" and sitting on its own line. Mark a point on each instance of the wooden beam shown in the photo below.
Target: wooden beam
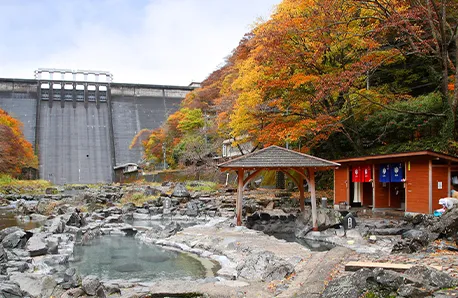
{"x": 238, "y": 209}
{"x": 355, "y": 266}
{"x": 251, "y": 176}
{"x": 313, "y": 198}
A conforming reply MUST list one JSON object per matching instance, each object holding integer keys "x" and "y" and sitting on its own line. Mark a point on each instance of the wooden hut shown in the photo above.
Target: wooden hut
{"x": 128, "y": 172}
{"x": 412, "y": 181}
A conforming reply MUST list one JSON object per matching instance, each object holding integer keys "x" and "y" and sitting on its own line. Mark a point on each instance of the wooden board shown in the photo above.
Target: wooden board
{"x": 355, "y": 266}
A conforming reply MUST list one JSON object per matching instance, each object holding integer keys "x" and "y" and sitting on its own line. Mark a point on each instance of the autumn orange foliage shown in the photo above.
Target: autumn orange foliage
{"x": 304, "y": 75}
{"x": 15, "y": 151}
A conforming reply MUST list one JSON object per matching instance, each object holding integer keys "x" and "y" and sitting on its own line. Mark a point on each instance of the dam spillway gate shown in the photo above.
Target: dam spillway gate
{"x": 82, "y": 127}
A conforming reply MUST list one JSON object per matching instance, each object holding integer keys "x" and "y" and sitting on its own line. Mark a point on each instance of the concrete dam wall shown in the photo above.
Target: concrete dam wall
{"x": 81, "y": 130}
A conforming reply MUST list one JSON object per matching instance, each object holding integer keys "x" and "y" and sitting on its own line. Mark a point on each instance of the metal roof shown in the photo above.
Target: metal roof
{"x": 277, "y": 157}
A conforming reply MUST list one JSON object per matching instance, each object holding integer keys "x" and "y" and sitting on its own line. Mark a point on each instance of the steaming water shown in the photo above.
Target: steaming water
{"x": 117, "y": 257}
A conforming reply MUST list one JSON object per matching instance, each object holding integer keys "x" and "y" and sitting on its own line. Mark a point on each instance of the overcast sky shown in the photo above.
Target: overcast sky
{"x": 171, "y": 42}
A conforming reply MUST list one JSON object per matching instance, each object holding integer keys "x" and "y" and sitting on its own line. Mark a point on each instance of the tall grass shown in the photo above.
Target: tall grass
{"x": 10, "y": 184}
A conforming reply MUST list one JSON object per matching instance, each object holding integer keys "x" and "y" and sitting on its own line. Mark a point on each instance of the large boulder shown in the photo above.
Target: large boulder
{"x": 71, "y": 279}
{"x": 326, "y": 218}
{"x": 157, "y": 231}
{"x": 16, "y": 239}
{"x": 75, "y": 219}
{"x": 25, "y": 209}
{"x": 9, "y": 289}
{"x": 192, "y": 208}
{"x": 447, "y": 224}
{"x": 264, "y": 266}
{"x": 432, "y": 277}
{"x": 419, "y": 281}
{"x": 90, "y": 284}
{"x": 44, "y": 206}
{"x": 36, "y": 246}
{"x": 57, "y": 225}
{"x": 36, "y": 285}
{"x": 180, "y": 191}
{"x": 6, "y": 231}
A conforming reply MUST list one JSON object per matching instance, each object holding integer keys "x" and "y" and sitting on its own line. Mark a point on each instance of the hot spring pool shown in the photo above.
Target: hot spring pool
{"x": 118, "y": 257}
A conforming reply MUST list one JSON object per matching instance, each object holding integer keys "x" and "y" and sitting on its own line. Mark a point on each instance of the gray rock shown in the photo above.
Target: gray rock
{"x": 15, "y": 239}
{"x": 35, "y": 284}
{"x": 90, "y": 284}
{"x": 128, "y": 207}
{"x": 71, "y": 278}
{"x": 447, "y": 224}
{"x": 76, "y": 220}
{"x": 264, "y": 266}
{"x": 142, "y": 211}
{"x": 54, "y": 260}
{"x": 149, "y": 191}
{"x": 43, "y": 206}
{"x": 112, "y": 289}
{"x": 3, "y": 255}
{"x": 5, "y": 232}
{"x": 57, "y": 226}
{"x": 350, "y": 286}
{"x": 73, "y": 293}
{"x": 53, "y": 247}
{"x": 25, "y": 209}
{"x": 417, "y": 235}
{"x": 36, "y": 246}
{"x": 412, "y": 291}
{"x": 48, "y": 284}
{"x": 19, "y": 266}
{"x": 192, "y": 209}
{"x": 114, "y": 219}
{"x": 419, "y": 281}
{"x": 100, "y": 292}
{"x": 157, "y": 231}
{"x": 412, "y": 241}
{"x": 180, "y": 191}
{"x": 9, "y": 289}
{"x": 326, "y": 218}
{"x": 432, "y": 277}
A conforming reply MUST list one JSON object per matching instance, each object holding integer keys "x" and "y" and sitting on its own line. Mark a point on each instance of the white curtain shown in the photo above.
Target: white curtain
{"x": 357, "y": 192}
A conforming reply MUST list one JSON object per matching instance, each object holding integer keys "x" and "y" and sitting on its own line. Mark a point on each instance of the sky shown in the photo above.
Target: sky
{"x": 170, "y": 42}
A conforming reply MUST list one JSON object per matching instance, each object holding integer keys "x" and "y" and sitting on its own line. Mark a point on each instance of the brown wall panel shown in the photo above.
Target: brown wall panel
{"x": 440, "y": 174}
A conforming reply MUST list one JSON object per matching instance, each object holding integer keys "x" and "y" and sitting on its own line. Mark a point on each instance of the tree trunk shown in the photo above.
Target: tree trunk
{"x": 280, "y": 180}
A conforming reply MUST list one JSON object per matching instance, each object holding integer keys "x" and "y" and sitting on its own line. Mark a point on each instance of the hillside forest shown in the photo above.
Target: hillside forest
{"x": 16, "y": 152}
{"x": 332, "y": 78}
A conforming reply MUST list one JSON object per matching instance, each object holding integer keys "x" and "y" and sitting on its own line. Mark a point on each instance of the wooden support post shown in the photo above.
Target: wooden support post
{"x": 239, "y": 197}
{"x": 301, "y": 197}
{"x": 313, "y": 199}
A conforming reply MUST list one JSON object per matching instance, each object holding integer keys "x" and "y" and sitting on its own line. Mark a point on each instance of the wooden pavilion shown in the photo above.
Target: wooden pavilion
{"x": 276, "y": 158}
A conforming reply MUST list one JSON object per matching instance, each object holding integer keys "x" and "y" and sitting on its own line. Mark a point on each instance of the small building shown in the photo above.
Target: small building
{"x": 29, "y": 173}
{"x": 128, "y": 172}
{"x": 412, "y": 182}
{"x": 244, "y": 147}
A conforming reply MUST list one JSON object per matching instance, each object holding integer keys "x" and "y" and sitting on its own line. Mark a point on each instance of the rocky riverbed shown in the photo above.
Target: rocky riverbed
{"x": 38, "y": 262}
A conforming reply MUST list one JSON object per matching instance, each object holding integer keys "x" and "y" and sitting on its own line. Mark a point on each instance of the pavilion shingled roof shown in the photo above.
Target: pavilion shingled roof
{"x": 277, "y": 157}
